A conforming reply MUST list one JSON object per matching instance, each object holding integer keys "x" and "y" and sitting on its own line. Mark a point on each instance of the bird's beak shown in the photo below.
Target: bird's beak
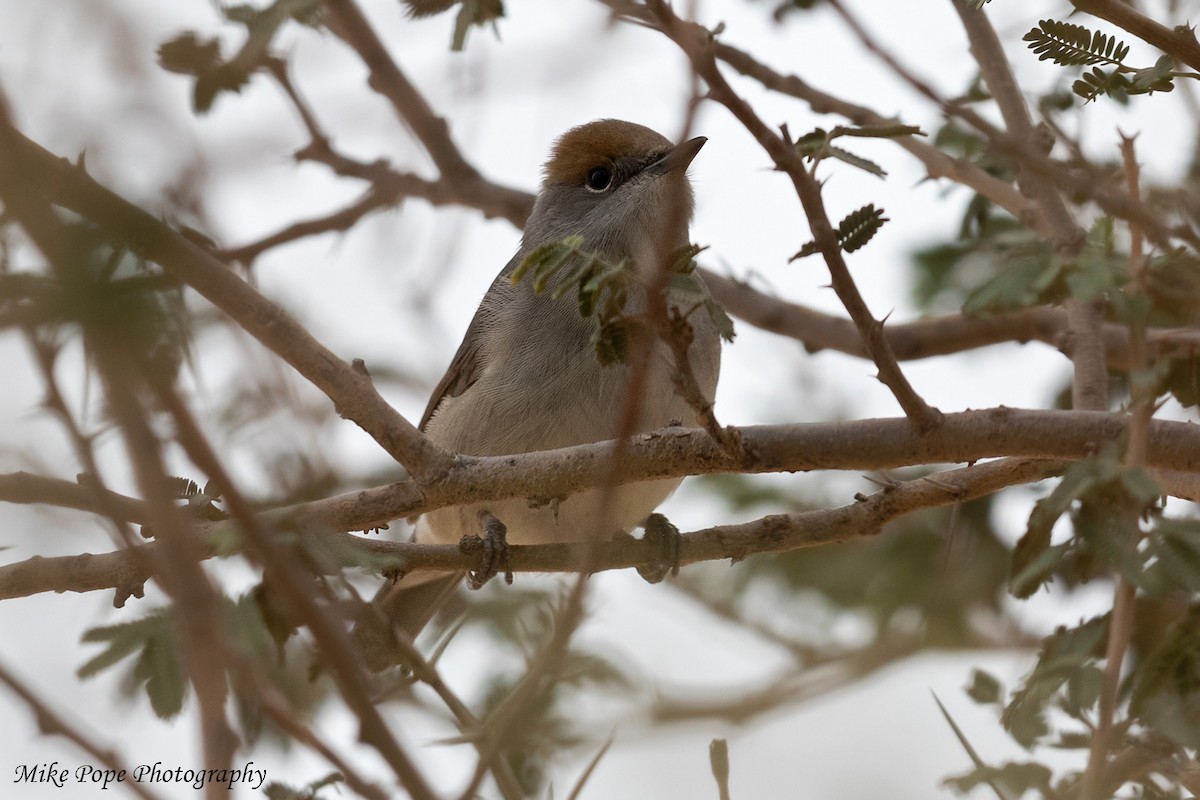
{"x": 679, "y": 156}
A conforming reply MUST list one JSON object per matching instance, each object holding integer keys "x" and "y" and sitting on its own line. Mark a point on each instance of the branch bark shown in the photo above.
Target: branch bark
{"x": 1180, "y": 42}
{"x": 771, "y": 534}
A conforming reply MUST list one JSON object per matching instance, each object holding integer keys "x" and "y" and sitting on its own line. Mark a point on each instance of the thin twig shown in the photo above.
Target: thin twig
{"x": 1142, "y": 396}
{"x": 352, "y": 392}
{"x": 178, "y": 571}
{"x": 937, "y": 163}
{"x": 697, "y": 43}
{"x": 933, "y": 336}
{"x": 338, "y": 221}
{"x": 386, "y": 77}
{"x": 49, "y": 722}
{"x": 293, "y": 583}
{"x": 424, "y": 671}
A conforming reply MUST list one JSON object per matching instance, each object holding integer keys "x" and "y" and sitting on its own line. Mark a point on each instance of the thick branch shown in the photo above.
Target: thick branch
{"x": 1090, "y": 388}
{"x": 861, "y": 445}
{"x": 1179, "y": 42}
{"x": 772, "y": 534}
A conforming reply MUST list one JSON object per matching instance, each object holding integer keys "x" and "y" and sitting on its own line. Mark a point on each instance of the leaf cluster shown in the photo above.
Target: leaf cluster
{"x": 603, "y": 290}
{"x": 1070, "y": 45}
{"x": 852, "y": 233}
{"x": 471, "y": 14}
{"x": 817, "y": 144}
{"x": 518, "y": 622}
{"x": 152, "y": 646}
{"x": 114, "y": 298}
{"x": 201, "y": 58}
{"x": 934, "y": 572}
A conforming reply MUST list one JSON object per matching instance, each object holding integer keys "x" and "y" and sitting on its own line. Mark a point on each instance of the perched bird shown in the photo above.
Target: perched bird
{"x": 526, "y": 376}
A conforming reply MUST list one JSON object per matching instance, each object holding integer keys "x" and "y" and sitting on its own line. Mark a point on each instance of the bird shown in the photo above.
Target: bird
{"x": 526, "y": 376}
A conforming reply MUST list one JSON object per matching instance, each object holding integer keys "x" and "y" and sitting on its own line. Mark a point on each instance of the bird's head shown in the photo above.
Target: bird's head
{"x": 619, "y": 185}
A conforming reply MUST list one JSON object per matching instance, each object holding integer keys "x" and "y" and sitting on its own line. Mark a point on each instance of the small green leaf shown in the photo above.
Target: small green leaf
{"x": 611, "y": 343}
{"x": 1074, "y": 45}
{"x": 123, "y": 641}
{"x": 550, "y": 255}
{"x": 721, "y": 319}
{"x": 853, "y": 232}
{"x": 1101, "y": 82}
{"x": 984, "y": 688}
{"x": 883, "y": 131}
{"x": 1083, "y": 690}
{"x": 189, "y": 54}
{"x": 159, "y": 667}
{"x": 1025, "y": 279}
{"x": 859, "y": 227}
{"x": 854, "y": 160}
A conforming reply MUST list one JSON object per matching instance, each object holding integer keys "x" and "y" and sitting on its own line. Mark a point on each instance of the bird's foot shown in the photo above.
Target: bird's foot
{"x": 663, "y": 543}
{"x": 492, "y": 549}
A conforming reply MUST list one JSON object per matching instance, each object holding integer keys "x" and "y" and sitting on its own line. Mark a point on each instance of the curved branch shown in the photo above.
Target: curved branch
{"x": 1179, "y": 42}
{"x": 933, "y": 336}
{"x": 697, "y": 44}
{"x": 347, "y": 20}
{"x": 351, "y": 390}
{"x": 937, "y": 163}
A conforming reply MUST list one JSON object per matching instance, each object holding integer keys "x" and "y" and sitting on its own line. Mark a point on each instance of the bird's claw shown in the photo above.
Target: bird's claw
{"x": 663, "y": 543}
{"x": 492, "y": 549}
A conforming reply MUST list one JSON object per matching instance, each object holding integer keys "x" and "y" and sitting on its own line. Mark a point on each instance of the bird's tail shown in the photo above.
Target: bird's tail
{"x": 401, "y": 608}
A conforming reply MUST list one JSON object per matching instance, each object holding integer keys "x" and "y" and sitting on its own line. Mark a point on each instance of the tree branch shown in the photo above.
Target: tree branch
{"x": 776, "y": 533}
{"x": 1180, "y": 42}
{"x": 937, "y": 163}
{"x": 860, "y": 445}
{"x": 697, "y": 44}
{"x": 1090, "y": 387}
{"x": 351, "y": 390}
{"x": 50, "y": 722}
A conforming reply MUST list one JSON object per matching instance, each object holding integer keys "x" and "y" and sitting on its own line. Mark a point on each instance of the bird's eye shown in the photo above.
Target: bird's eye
{"x": 598, "y": 179}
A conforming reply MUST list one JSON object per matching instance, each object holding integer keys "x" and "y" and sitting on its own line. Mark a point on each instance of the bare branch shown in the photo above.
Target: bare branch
{"x": 1090, "y": 389}
{"x": 50, "y": 722}
{"x": 697, "y": 44}
{"x": 293, "y": 582}
{"x": 347, "y": 20}
{"x": 351, "y": 391}
{"x": 27, "y": 488}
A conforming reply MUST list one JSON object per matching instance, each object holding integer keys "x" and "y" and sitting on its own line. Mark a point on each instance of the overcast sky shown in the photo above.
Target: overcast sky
{"x": 81, "y": 74}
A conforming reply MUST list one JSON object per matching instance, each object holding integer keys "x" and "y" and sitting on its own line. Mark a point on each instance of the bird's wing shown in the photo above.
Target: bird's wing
{"x": 466, "y": 366}
{"x": 463, "y": 371}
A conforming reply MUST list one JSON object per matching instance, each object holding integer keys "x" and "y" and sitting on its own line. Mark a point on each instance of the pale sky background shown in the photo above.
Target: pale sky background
{"x": 556, "y": 65}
